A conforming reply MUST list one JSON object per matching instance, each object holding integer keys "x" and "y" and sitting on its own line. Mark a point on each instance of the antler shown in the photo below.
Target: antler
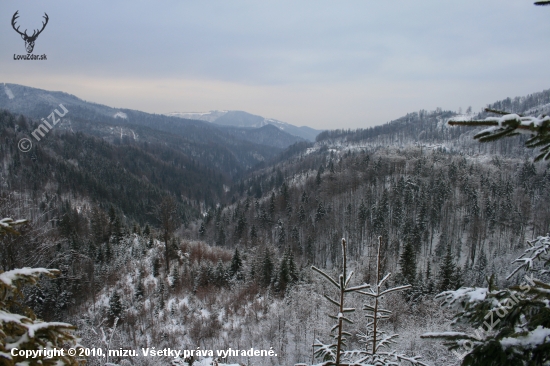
{"x": 34, "y": 35}
{"x": 13, "y": 19}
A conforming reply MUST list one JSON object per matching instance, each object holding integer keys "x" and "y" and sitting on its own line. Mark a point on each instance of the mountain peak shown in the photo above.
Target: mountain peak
{"x": 244, "y": 119}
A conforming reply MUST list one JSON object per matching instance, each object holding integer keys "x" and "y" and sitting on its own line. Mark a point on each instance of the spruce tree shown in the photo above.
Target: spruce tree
{"x": 115, "y": 307}
{"x": 301, "y": 214}
{"x": 511, "y": 124}
{"x": 282, "y": 275}
{"x": 321, "y": 212}
{"x": 155, "y": 267}
{"x": 447, "y": 272}
{"x": 266, "y": 269}
{"x": 161, "y": 303}
{"x": 220, "y": 274}
{"x": 175, "y": 277}
{"x": 374, "y": 340}
{"x": 407, "y": 262}
{"x": 292, "y": 271}
{"x": 480, "y": 269}
{"x": 236, "y": 265}
{"x": 511, "y": 325}
{"x": 429, "y": 287}
{"x": 253, "y": 234}
{"x": 168, "y": 217}
{"x": 281, "y": 237}
{"x": 318, "y": 179}
{"x": 287, "y": 273}
{"x": 23, "y": 330}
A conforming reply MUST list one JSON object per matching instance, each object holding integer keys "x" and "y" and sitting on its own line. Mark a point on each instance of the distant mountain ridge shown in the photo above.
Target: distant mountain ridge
{"x": 245, "y": 119}
{"x": 267, "y": 135}
{"x": 429, "y": 130}
{"x": 38, "y": 103}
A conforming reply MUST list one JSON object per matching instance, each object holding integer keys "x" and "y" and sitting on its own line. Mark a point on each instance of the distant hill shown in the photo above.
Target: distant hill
{"x": 231, "y": 150}
{"x": 244, "y": 119}
{"x": 429, "y": 129}
{"x": 267, "y": 135}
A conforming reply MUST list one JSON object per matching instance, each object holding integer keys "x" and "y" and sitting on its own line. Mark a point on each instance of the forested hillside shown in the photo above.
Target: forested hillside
{"x": 428, "y": 129}
{"x": 431, "y": 200}
{"x": 168, "y": 239}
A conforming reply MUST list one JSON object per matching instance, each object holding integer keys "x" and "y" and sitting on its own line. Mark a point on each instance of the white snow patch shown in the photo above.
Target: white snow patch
{"x": 463, "y": 117}
{"x": 537, "y": 336}
{"x": 10, "y": 276}
{"x": 209, "y": 361}
{"x": 120, "y": 115}
{"x": 8, "y": 92}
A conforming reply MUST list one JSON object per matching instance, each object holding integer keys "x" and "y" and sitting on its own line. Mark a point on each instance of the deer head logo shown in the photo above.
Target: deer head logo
{"x": 29, "y": 40}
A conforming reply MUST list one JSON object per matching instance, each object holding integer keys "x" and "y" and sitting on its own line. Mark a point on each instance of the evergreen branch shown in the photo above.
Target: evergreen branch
{"x": 370, "y": 308}
{"x": 542, "y": 3}
{"x": 544, "y": 285}
{"x": 507, "y": 132}
{"x": 537, "y": 249}
{"x": 326, "y": 276}
{"x": 544, "y": 155}
{"x": 347, "y": 320}
{"x": 510, "y": 125}
{"x": 331, "y": 300}
{"x": 357, "y": 288}
{"x": 538, "y": 141}
{"x": 472, "y": 123}
{"x": 449, "y": 335}
{"x": 495, "y": 111}
{"x": 400, "y": 288}
{"x": 387, "y": 341}
{"x": 7, "y": 224}
{"x": 371, "y": 294}
{"x": 384, "y": 280}
{"x": 413, "y": 360}
{"x": 349, "y": 278}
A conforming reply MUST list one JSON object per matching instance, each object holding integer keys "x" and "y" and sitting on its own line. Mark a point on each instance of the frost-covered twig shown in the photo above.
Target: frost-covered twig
{"x": 510, "y": 124}
{"x": 539, "y": 250}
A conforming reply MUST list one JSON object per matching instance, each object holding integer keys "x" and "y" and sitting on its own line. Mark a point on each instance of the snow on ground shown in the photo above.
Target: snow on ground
{"x": 209, "y": 362}
{"x": 121, "y": 115}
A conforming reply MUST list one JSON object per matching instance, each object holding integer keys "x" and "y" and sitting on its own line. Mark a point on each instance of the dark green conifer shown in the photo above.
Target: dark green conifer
{"x": 447, "y": 272}
{"x": 236, "y": 264}
{"x": 407, "y": 262}
{"x": 115, "y": 307}
{"x": 267, "y": 269}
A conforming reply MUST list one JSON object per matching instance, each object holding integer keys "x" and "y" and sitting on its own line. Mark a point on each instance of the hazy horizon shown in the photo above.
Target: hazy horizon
{"x": 320, "y": 64}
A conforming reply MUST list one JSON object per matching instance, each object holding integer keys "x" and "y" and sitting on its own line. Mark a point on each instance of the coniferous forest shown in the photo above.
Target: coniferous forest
{"x": 172, "y": 240}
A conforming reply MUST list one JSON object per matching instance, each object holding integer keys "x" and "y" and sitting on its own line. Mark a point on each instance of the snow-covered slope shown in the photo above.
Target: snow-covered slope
{"x": 244, "y": 119}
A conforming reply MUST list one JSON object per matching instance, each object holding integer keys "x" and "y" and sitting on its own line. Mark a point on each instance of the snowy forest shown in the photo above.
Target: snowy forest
{"x": 400, "y": 226}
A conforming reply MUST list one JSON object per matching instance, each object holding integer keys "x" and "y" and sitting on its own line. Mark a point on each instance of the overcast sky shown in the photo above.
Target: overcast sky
{"x": 325, "y": 64}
